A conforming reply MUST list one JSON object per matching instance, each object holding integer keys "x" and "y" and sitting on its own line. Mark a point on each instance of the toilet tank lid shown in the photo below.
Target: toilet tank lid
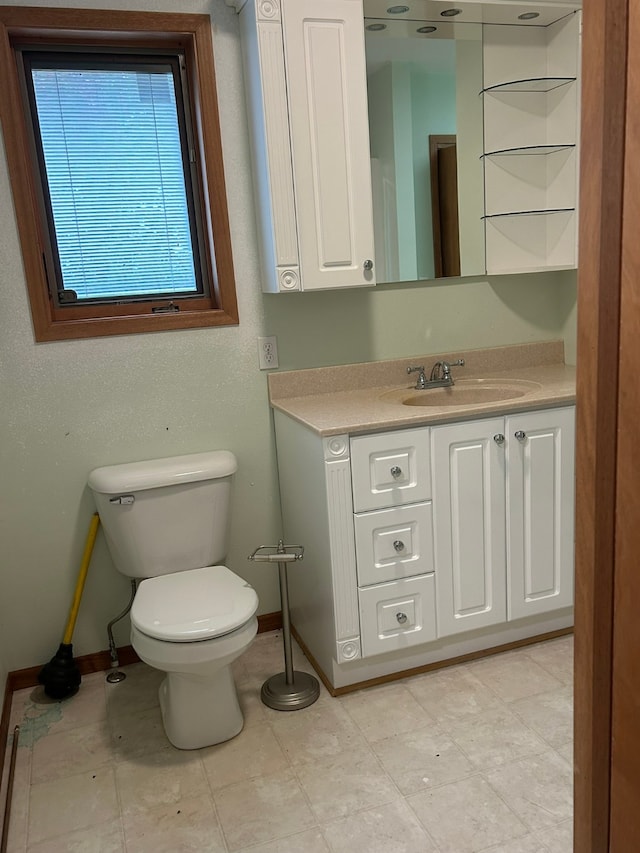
{"x": 154, "y": 473}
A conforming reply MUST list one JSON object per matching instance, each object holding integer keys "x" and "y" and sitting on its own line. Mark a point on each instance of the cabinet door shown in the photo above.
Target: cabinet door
{"x": 469, "y": 525}
{"x": 540, "y": 501}
{"x": 327, "y": 94}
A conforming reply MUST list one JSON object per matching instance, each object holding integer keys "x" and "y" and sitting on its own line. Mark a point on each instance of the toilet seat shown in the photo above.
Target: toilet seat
{"x": 194, "y": 605}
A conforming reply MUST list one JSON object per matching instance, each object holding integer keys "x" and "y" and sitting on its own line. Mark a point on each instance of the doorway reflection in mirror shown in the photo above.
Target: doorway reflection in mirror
{"x": 425, "y": 126}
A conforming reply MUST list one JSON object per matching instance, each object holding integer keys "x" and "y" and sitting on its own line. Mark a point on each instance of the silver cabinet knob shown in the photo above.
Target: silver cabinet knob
{"x": 398, "y": 545}
{"x": 401, "y": 617}
{"x": 498, "y": 438}
{"x": 367, "y": 265}
{"x": 396, "y": 472}
{"x": 520, "y": 435}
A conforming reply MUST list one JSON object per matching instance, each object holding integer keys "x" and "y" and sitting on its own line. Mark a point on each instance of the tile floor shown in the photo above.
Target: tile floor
{"x": 476, "y": 757}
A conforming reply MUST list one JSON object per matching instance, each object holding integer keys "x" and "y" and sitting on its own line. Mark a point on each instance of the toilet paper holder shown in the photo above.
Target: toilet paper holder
{"x": 289, "y": 690}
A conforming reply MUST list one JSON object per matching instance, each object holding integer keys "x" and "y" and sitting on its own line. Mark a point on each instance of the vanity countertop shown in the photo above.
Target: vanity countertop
{"x": 366, "y": 397}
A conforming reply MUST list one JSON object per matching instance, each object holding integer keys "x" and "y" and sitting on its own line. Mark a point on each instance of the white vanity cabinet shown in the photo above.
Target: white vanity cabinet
{"x": 425, "y": 543}
{"x": 504, "y": 518}
{"x": 306, "y": 92}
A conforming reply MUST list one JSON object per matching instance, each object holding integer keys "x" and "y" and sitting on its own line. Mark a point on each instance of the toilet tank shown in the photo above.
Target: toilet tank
{"x": 165, "y": 515}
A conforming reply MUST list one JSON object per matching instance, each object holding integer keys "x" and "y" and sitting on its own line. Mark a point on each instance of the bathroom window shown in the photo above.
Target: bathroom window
{"x": 116, "y": 171}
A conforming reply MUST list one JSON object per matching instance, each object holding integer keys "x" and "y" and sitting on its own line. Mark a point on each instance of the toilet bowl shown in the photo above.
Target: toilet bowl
{"x": 193, "y": 625}
{"x": 166, "y": 523}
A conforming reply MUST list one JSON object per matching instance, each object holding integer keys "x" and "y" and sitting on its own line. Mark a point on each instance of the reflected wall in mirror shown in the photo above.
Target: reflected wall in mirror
{"x": 428, "y": 193}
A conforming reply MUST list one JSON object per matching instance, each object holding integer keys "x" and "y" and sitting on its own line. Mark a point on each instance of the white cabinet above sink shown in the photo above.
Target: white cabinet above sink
{"x": 333, "y": 137}
{"x": 306, "y": 91}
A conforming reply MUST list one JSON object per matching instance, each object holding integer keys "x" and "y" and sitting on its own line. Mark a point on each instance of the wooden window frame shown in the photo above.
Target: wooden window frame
{"x": 133, "y": 29}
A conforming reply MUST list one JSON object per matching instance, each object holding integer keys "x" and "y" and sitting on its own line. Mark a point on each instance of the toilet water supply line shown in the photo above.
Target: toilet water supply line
{"x": 114, "y": 677}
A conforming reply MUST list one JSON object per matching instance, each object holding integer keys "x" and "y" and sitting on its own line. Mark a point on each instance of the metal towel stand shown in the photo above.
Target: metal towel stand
{"x": 289, "y": 690}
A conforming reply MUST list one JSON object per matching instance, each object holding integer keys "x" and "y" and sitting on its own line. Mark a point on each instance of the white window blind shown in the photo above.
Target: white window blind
{"x": 113, "y": 156}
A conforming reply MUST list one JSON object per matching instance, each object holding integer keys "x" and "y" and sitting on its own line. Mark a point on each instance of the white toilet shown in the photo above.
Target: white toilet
{"x": 166, "y": 520}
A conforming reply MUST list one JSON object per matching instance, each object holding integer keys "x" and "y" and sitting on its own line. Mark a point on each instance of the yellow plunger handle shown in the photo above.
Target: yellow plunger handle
{"x": 84, "y": 568}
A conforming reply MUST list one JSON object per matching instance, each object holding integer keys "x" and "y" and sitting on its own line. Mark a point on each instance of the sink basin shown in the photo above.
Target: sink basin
{"x": 466, "y": 392}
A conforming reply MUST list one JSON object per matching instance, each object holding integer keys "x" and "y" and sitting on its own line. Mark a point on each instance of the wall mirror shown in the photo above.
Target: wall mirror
{"x": 425, "y": 126}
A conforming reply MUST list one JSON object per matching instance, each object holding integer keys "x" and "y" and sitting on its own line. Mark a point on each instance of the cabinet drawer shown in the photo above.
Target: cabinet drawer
{"x": 397, "y": 615}
{"x": 394, "y": 543}
{"x": 390, "y": 469}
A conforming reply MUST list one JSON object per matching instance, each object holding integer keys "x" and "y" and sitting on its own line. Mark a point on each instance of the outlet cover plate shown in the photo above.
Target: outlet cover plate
{"x": 268, "y": 352}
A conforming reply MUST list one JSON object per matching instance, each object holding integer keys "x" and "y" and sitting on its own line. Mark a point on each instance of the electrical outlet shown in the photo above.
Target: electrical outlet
{"x": 268, "y": 352}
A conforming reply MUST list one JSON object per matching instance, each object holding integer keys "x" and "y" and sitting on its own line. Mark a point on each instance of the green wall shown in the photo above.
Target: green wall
{"x": 397, "y": 320}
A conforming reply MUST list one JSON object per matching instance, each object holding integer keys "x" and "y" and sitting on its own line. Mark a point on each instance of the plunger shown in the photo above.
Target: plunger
{"x": 61, "y": 677}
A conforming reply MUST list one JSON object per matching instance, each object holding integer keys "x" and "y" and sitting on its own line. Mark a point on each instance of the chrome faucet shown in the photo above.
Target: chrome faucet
{"x": 440, "y": 376}
{"x": 441, "y": 372}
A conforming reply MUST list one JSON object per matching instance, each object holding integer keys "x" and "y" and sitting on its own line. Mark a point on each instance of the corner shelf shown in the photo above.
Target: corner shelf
{"x": 531, "y": 145}
{"x": 544, "y": 212}
{"x": 528, "y": 149}
{"x": 533, "y": 84}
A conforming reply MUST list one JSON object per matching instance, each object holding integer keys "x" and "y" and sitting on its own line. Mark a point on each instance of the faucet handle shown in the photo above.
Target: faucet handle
{"x": 422, "y": 379}
{"x": 445, "y": 367}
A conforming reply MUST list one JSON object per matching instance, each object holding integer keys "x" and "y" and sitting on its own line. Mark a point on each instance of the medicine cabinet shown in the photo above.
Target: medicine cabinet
{"x": 413, "y": 141}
